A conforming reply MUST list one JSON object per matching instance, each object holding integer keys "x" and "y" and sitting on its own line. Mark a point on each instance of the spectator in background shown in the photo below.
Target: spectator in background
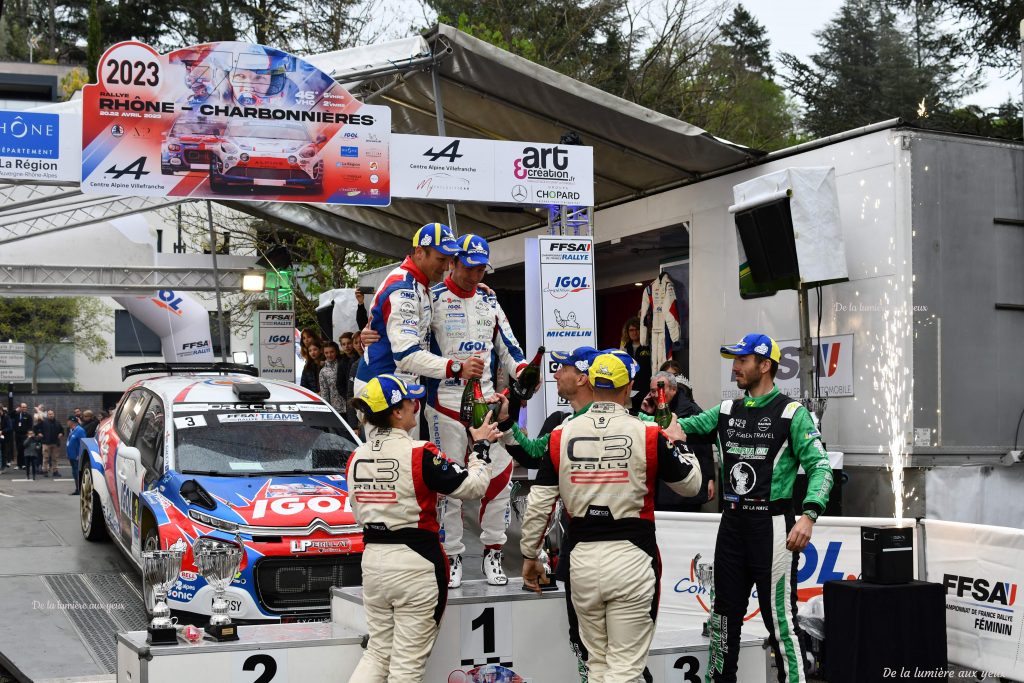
{"x": 75, "y": 435}
{"x": 33, "y": 449}
{"x": 22, "y": 428}
{"x": 307, "y": 337}
{"x": 78, "y": 414}
{"x": 52, "y": 432}
{"x": 680, "y": 401}
{"x": 313, "y": 354}
{"x": 332, "y": 388}
{"x": 641, "y": 354}
{"x": 89, "y": 423}
{"x": 357, "y": 348}
{"x": 6, "y": 438}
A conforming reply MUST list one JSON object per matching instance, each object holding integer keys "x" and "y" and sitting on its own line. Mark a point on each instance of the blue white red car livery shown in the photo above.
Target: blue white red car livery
{"x": 195, "y": 455}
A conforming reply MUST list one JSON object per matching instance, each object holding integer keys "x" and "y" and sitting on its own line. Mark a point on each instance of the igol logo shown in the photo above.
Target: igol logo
{"x": 982, "y": 590}
{"x": 565, "y": 285}
{"x": 168, "y": 300}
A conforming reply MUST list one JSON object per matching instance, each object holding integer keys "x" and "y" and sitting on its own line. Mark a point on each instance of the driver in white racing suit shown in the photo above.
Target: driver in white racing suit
{"x": 467, "y": 322}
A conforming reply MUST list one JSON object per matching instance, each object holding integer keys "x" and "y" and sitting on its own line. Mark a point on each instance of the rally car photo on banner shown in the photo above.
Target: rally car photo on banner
{"x": 224, "y": 456}
{"x": 230, "y": 120}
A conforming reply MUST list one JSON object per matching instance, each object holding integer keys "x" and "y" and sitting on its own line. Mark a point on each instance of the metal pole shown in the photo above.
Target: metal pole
{"x": 439, "y": 110}
{"x": 806, "y": 355}
{"x": 1022, "y": 69}
{"x": 216, "y": 284}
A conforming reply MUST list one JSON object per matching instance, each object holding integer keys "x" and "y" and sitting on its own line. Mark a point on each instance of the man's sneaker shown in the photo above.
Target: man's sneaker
{"x": 455, "y": 571}
{"x": 493, "y": 572}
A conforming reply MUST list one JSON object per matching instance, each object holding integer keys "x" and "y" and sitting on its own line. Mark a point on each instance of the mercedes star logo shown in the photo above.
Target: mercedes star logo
{"x": 519, "y": 193}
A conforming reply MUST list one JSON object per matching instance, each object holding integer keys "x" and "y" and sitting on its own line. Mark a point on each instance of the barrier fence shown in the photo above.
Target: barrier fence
{"x": 980, "y": 566}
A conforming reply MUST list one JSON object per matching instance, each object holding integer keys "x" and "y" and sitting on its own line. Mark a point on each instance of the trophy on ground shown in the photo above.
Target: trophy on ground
{"x": 218, "y": 562}
{"x": 705, "y": 572}
{"x": 161, "y": 568}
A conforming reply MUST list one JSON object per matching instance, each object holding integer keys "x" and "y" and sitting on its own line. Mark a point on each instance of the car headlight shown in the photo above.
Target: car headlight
{"x": 229, "y": 148}
{"x": 214, "y": 522}
{"x": 174, "y": 147}
{"x": 243, "y": 156}
{"x": 292, "y": 159}
{"x": 308, "y": 152}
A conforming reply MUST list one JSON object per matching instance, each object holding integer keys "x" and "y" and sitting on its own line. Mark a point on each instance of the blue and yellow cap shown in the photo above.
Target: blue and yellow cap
{"x": 386, "y": 391}
{"x": 612, "y": 369}
{"x": 436, "y": 236}
{"x": 580, "y": 358}
{"x": 474, "y": 251}
{"x": 754, "y": 343}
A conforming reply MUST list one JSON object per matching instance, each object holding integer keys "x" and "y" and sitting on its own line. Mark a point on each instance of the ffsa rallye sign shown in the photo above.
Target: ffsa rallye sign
{"x": 230, "y": 120}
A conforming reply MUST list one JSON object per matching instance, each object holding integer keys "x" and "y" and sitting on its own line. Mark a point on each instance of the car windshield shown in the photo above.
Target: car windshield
{"x": 196, "y": 128}
{"x": 246, "y": 129}
{"x": 260, "y": 439}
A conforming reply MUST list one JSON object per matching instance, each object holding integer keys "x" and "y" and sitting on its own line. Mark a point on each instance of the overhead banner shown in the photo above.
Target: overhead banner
{"x": 835, "y": 358}
{"x": 493, "y": 171}
{"x": 230, "y": 121}
{"x": 982, "y": 569}
{"x": 39, "y": 146}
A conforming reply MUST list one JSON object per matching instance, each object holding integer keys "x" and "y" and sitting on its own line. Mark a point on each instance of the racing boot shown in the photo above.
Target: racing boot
{"x": 455, "y": 571}
{"x": 493, "y": 572}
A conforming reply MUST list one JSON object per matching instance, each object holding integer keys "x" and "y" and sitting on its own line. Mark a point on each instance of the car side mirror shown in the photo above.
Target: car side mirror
{"x": 130, "y": 453}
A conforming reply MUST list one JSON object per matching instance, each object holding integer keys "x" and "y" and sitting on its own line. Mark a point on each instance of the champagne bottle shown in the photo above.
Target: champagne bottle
{"x": 468, "y": 396}
{"x": 480, "y": 407}
{"x": 662, "y": 415}
{"x": 528, "y": 382}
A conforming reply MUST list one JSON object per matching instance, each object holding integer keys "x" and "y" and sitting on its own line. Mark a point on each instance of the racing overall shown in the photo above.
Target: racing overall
{"x": 393, "y": 484}
{"x": 605, "y": 465}
{"x": 400, "y": 314}
{"x": 464, "y": 324}
{"x": 762, "y": 440}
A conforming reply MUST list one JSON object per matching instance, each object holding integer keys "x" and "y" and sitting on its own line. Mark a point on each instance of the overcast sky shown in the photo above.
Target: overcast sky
{"x": 791, "y": 25}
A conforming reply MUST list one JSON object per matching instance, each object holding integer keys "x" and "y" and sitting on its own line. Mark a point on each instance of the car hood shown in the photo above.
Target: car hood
{"x": 279, "y": 501}
{"x": 268, "y": 146}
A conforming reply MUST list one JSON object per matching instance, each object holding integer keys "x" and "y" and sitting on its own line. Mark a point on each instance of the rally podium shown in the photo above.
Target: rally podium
{"x": 488, "y": 633}
{"x": 277, "y": 652}
{"x": 506, "y": 631}
{"x": 487, "y": 629}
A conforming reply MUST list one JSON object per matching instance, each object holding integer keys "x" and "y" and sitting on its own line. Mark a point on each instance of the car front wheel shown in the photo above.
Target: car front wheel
{"x": 90, "y": 507}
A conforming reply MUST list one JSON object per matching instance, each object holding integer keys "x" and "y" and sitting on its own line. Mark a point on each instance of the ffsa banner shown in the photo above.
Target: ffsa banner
{"x": 230, "y": 120}
{"x": 981, "y": 568}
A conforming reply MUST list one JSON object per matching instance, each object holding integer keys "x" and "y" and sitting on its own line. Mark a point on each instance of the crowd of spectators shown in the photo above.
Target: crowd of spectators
{"x": 330, "y": 367}
{"x": 35, "y": 441}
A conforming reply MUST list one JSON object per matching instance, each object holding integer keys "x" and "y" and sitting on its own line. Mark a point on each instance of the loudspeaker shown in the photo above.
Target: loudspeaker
{"x": 325, "y": 319}
{"x": 887, "y": 554}
{"x": 766, "y": 234}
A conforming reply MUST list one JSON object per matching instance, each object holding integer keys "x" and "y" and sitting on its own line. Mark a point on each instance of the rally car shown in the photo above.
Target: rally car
{"x": 270, "y": 153}
{"x": 187, "y": 144}
{"x": 201, "y": 450}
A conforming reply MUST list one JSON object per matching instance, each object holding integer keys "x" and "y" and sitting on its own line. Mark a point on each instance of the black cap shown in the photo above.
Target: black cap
{"x": 72, "y": 418}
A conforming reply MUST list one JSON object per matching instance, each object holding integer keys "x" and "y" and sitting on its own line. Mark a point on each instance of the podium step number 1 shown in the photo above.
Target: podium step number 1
{"x": 487, "y": 635}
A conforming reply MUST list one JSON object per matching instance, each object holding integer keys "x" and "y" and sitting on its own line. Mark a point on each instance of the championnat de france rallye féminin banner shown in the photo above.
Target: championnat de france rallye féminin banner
{"x": 230, "y": 120}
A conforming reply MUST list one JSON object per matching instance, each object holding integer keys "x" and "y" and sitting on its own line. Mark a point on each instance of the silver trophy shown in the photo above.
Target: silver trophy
{"x": 218, "y": 562}
{"x": 705, "y": 572}
{"x": 160, "y": 569}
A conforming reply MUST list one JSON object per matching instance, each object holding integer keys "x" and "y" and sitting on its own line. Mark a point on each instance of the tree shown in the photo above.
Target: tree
{"x": 870, "y": 70}
{"x": 749, "y": 42}
{"x": 94, "y": 49}
{"x": 988, "y": 30}
{"x": 45, "y": 324}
